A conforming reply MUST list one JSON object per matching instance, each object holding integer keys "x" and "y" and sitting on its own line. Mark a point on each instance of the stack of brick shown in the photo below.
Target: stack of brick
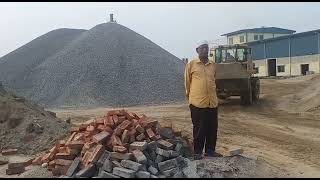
{"x": 121, "y": 144}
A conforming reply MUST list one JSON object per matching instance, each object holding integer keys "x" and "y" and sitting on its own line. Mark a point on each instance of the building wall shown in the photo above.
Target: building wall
{"x": 250, "y": 37}
{"x": 312, "y": 60}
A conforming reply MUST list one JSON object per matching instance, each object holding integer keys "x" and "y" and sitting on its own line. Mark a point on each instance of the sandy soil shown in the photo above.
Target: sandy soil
{"x": 289, "y": 141}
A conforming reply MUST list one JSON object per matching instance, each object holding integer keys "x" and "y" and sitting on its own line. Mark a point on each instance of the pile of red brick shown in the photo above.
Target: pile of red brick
{"x": 121, "y": 144}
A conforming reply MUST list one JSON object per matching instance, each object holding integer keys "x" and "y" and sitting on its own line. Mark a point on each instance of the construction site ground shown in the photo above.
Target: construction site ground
{"x": 289, "y": 142}
{"x": 286, "y": 143}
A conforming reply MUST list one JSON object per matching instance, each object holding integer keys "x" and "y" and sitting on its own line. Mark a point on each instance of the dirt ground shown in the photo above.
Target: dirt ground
{"x": 288, "y": 141}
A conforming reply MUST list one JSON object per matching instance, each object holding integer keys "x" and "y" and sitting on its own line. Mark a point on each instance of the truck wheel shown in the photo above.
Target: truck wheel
{"x": 256, "y": 90}
{"x": 246, "y": 97}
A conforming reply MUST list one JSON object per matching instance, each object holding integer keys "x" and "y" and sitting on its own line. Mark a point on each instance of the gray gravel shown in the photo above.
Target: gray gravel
{"x": 108, "y": 65}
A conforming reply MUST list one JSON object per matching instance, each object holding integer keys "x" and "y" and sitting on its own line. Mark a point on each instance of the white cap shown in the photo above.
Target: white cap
{"x": 202, "y": 42}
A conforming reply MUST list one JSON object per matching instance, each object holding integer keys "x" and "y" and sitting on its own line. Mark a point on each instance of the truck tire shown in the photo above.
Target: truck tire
{"x": 255, "y": 90}
{"x": 246, "y": 97}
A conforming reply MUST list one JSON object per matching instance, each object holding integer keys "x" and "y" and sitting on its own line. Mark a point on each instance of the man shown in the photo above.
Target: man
{"x": 203, "y": 102}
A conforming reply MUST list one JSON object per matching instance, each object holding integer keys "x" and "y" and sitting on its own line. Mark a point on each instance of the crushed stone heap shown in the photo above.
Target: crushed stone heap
{"x": 108, "y": 65}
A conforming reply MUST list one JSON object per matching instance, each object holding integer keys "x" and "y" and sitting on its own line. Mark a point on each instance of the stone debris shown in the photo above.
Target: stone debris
{"x": 96, "y": 150}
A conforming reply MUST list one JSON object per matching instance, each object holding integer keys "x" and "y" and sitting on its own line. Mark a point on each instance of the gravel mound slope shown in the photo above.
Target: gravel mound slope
{"x": 17, "y": 65}
{"x": 26, "y": 126}
{"x": 108, "y": 65}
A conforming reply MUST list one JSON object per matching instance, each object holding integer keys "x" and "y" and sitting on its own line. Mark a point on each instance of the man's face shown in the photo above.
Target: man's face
{"x": 203, "y": 51}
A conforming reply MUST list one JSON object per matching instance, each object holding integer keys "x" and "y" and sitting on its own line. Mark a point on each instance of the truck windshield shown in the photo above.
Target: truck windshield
{"x": 231, "y": 55}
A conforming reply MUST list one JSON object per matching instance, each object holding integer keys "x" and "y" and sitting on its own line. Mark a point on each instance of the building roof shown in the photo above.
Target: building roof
{"x": 285, "y": 37}
{"x": 273, "y": 30}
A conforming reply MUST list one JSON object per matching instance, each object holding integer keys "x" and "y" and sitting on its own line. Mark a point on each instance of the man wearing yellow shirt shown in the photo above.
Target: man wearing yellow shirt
{"x": 203, "y": 102}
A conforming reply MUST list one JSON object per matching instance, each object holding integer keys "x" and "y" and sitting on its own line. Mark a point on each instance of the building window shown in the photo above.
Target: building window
{"x": 281, "y": 68}
{"x": 241, "y": 38}
{"x": 231, "y": 40}
{"x": 261, "y": 37}
{"x": 255, "y": 37}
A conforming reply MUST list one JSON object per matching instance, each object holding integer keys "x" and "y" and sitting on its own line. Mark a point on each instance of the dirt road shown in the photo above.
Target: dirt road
{"x": 289, "y": 141}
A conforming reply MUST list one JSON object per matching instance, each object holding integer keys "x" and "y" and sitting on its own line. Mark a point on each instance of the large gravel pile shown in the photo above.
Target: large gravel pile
{"x": 26, "y": 126}
{"x": 108, "y": 65}
{"x": 17, "y": 65}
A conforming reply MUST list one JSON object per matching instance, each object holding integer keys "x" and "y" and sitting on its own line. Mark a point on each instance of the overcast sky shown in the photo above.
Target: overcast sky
{"x": 176, "y": 27}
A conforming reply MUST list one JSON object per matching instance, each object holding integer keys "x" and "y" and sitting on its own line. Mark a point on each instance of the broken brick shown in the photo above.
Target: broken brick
{"x": 166, "y": 165}
{"x": 15, "y": 171}
{"x": 63, "y": 162}
{"x": 122, "y": 172}
{"x": 115, "y": 140}
{"x": 139, "y": 128}
{"x": 163, "y": 152}
{"x": 138, "y": 145}
{"x": 139, "y": 156}
{"x": 118, "y": 131}
{"x": 65, "y": 156}
{"x": 99, "y": 121}
{"x": 73, "y": 167}
{"x": 15, "y": 165}
{"x": 88, "y": 171}
{"x": 151, "y": 134}
{"x": 75, "y": 144}
{"x": 97, "y": 152}
{"x": 115, "y": 119}
{"x": 109, "y": 122}
{"x": 71, "y": 137}
{"x": 165, "y": 145}
{"x": 143, "y": 174}
{"x": 140, "y": 137}
{"x": 131, "y": 165}
{"x": 101, "y": 127}
{"x": 9, "y": 152}
{"x": 124, "y": 125}
{"x": 120, "y": 149}
{"x": 121, "y": 156}
{"x": 125, "y": 136}
{"x": 78, "y": 137}
{"x": 105, "y": 156}
{"x": 113, "y": 112}
{"x": 101, "y": 137}
{"x": 83, "y": 127}
{"x": 37, "y": 161}
{"x": 108, "y": 129}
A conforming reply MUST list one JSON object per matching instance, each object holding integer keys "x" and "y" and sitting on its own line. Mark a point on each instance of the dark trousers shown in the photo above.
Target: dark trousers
{"x": 205, "y": 127}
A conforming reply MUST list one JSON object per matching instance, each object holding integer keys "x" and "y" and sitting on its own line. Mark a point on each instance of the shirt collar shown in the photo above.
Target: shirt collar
{"x": 199, "y": 61}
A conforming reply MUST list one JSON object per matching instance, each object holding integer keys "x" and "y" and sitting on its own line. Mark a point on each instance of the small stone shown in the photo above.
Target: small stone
{"x": 163, "y": 152}
{"x": 159, "y": 159}
{"x": 153, "y": 170}
{"x": 166, "y": 132}
{"x": 178, "y": 147}
{"x": 104, "y": 174}
{"x": 179, "y": 174}
{"x": 107, "y": 166}
{"x": 143, "y": 174}
{"x": 166, "y": 165}
{"x": 122, "y": 172}
{"x": 139, "y": 156}
{"x": 153, "y": 176}
{"x": 170, "y": 172}
{"x": 131, "y": 165}
{"x": 4, "y": 160}
{"x": 44, "y": 165}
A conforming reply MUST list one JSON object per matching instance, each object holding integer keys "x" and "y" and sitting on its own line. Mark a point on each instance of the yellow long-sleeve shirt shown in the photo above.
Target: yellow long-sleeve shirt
{"x": 200, "y": 83}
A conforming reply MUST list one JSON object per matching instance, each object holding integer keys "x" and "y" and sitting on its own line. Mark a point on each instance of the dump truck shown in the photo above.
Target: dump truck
{"x": 235, "y": 73}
